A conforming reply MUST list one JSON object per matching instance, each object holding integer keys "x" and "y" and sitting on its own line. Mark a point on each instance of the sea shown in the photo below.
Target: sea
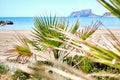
{"x": 27, "y": 23}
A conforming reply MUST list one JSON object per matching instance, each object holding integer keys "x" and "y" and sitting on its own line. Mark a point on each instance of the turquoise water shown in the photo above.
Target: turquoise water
{"x": 27, "y": 23}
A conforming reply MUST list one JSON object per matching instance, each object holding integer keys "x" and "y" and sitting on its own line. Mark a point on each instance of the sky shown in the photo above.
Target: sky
{"x": 31, "y": 8}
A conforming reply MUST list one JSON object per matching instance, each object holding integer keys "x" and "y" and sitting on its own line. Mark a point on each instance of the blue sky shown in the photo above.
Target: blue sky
{"x": 21, "y": 8}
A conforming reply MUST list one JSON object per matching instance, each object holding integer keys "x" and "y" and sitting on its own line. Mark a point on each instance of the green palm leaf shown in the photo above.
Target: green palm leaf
{"x": 43, "y": 31}
{"x": 88, "y": 30}
{"x": 107, "y": 53}
{"x": 95, "y": 51}
{"x": 116, "y": 3}
{"x": 21, "y": 52}
{"x": 115, "y": 8}
{"x": 74, "y": 28}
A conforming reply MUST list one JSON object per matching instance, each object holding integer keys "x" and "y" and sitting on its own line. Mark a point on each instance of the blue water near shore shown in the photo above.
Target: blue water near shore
{"x": 27, "y": 23}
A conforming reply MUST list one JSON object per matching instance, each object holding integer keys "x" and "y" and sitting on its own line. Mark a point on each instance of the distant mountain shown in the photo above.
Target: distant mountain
{"x": 108, "y": 14}
{"x": 83, "y": 13}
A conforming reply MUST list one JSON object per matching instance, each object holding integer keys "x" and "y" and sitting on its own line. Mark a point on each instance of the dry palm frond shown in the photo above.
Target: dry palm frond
{"x": 21, "y": 52}
{"x": 64, "y": 70}
{"x": 71, "y": 70}
{"x": 114, "y": 40}
{"x": 95, "y": 51}
{"x": 63, "y": 73}
{"x": 88, "y": 30}
{"x": 36, "y": 72}
{"x": 107, "y": 53}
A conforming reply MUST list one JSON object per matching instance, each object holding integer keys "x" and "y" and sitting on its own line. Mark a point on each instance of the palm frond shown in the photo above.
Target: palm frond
{"x": 55, "y": 71}
{"x": 71, "y": 70}
{"x": 39, "y": 72}
{"x": 88, "y": 30}
{"x": 74, "y": 28}
{"x": 114, "y": 6}
{"x": 35, "y": 44}
{"x": 42, "y": 30}
{"x": 21, "y": 52}
{"x": 107, "y": 53}
{"x": 116, "y": 3}
{"x": 96, "y": 51}
{"x": 114, "y": 38}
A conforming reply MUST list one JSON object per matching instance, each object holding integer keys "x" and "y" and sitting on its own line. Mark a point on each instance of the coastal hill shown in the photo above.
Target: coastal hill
{"x": 89, "y": 13}
{"x": 83, "y": 13}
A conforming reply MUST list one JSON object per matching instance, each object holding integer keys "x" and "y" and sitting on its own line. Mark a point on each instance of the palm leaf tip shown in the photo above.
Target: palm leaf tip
{"x": 75, "y": 27}
{"x": 89, "y": 30}
{"x": 21, "y": 52}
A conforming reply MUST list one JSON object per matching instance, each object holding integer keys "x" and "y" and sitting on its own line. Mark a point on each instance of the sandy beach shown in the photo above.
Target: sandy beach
{"x": 7, "y": 38}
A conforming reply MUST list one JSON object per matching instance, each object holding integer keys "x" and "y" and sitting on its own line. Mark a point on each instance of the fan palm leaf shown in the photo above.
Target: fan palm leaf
{"x": 21, "y": 52}
{"x": 88, "y": 30}
{"x": 43, "y": 31}
{"x": 107, "y": 53}
{"x": 74, "y": 28}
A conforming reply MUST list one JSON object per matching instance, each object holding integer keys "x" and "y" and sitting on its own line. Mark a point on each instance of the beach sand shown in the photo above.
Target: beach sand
{"x": 7, "y": 38}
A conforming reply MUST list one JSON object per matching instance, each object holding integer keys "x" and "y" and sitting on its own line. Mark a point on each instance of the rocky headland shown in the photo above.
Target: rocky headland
{"x": 89, "y": 13}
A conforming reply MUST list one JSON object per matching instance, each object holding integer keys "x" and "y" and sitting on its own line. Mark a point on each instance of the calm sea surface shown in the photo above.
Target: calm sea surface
{"x": 27, "y": 23}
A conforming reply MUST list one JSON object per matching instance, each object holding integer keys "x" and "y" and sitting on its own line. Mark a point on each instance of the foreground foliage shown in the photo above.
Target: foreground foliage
{"x": 53, "y": 37}
{"x": 114, "y": 8}
{"x": 3, "y": 69}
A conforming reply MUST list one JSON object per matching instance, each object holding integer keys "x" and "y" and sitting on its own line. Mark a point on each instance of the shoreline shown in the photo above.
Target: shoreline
{"x": 7, "y": 38}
